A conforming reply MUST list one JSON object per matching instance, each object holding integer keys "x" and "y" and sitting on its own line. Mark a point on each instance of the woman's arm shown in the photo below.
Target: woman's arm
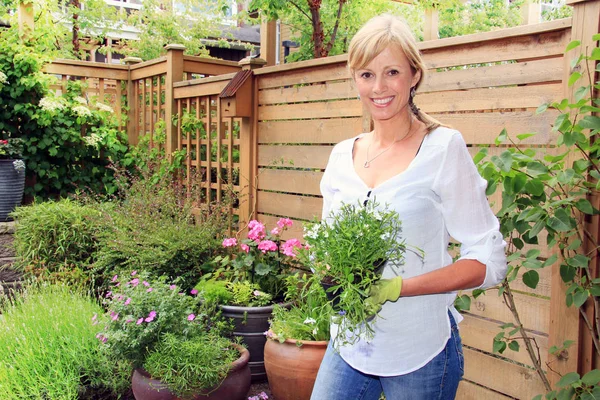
{"x": 463, "y": 274}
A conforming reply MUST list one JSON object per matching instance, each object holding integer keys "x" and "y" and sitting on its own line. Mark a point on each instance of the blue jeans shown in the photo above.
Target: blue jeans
{"x": 438, "y": 379}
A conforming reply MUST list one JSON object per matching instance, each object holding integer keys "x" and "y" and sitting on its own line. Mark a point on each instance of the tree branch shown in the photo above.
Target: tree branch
{"x": 300, "y": 9}
{"x": 335, "y": 28}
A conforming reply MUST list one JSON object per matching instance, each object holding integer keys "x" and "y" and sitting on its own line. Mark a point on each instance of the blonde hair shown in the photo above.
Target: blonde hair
{"x": 376, "y": 35}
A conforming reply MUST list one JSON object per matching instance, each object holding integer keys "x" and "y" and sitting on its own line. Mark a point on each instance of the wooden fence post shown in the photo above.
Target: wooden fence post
{"x": 566, "y": 322}
{"x": 132, "y": 114}
{"x": 25, "y": 18}
{"x": 174, "y": 74}
{"x": 430, "y": 30}
{"x": 249, "y": 147}
{"x": 531, "y": 11}
{"x": 268, "y": 41}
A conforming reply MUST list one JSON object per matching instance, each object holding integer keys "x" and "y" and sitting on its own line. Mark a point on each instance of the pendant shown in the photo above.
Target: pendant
{"x": 366, "y": 164}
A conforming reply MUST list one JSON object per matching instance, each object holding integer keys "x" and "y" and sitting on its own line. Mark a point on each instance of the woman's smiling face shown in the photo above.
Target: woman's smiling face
{"x": 384, "y": 84}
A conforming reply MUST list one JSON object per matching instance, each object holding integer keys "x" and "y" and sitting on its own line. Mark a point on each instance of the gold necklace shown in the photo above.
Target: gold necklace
{"x": 368, "y": 162}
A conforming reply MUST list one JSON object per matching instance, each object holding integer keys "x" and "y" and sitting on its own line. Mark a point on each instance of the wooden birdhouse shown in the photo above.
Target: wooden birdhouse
{"x": 236, "y": 97}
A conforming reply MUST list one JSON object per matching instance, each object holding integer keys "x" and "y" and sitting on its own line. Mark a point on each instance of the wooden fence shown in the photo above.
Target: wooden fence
{"x": 268, "y": 133}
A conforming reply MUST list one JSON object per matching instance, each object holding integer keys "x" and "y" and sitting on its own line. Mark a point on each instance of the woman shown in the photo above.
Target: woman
{"x": 423, "y": 170}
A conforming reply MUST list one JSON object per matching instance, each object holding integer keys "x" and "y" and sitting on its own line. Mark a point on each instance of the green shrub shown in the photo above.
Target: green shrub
{"x": 49, "y": 349}
{"x": 58, "y": 240}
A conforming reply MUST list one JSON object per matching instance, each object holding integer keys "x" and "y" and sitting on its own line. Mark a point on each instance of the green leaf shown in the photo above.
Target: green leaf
{"x": 537, "y": 228}
{"x": 514, "y": 345}
{"x": 262, "y": 269}
{"x": 550, "y": 260}
{"x": 561, "y": 221}
{"x": 481, "y": 154}
{"x": 592, "y": 377}
{"x": 572, "y": 45}
{"x": 584, "y": 206}
{"x": 534, "y": 187}
{"x": 578, "y": 261}
{"x": 566, "y": 394}
{"x": 568, "y": 379}
{"x": 501, "y": 137}
{"x": 581, "y": 92}
{"x": 463, "y": 303}
{"x": 533, "y": 253}
{"x": 580, "y": 298}
{"x": 524, "y": 136}
{"x": 499, "y": 346}
{"x": 531, "y": 279}
{"x": 595, "y": 54}
{"x": 590, "y": 122}
{"x": 518, "y": 243}
{"x": 541, "y": 109}
{"x": 567, "y": 273}
{"x": 574, "y": 78}
{"x": 536, "y": 168}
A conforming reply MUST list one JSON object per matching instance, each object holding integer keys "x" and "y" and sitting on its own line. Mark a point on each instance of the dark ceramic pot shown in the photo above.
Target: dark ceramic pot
{"x": 235, "y": 386}
{"x": 12, "y": 185}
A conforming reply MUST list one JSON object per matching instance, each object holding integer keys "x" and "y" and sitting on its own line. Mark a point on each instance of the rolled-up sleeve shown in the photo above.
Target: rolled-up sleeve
{"x": 467, "y": 213}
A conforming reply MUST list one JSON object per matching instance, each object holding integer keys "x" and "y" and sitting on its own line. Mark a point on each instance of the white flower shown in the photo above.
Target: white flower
{"x": 82, "y": 111}
{"x": 309, "y": 321}
{"x": 104, "y": 107}
{"x": 93, "y": 140}
{"x": 3, "y": 78}
{"x": 80, "y": 100}
{"x": 19, "y": 165}
{"x": 312, "y": 232}
{"x": 315, "y": 331}
{"x": 51, "y": 104}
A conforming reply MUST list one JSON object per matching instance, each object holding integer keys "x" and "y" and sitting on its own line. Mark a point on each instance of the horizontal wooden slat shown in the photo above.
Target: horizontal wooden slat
{"x": 207, "y": 89}
{"x": 90, "y": 70}
{"x": 483, "y": 128}
{"x": 294, "y": 206}
{"x": 534, "y": 311}
{"x": 324, "y": 62}
{"x": 293, "y": 181}
{"x": 298, "y": 76}
{"x": 200, "y": 67}
{"x": 548, "y": 70}
{"x": 502, "y": 376}
{"x": 327, "y": 109}
{"x": 530, "y": 96}
{"x": 150, "y": 71}
{"x": 298, "y": 156}
{"x": 479, "y": 333}
{"x": 469, "y": 391}
{"x": 506, "y": 48}
{"x": 295, "y": 231}
{"x": 314, "y": 92}
{"x": 332, "y": 130}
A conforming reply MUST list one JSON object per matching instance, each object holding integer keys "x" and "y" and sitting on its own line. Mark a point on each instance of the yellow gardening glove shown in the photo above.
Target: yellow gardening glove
{"x": 381, "y": 291}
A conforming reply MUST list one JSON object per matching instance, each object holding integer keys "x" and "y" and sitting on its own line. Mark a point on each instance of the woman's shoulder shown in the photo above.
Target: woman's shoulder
{"x": 444, "y": 136}
{"x": 345, "y": 146}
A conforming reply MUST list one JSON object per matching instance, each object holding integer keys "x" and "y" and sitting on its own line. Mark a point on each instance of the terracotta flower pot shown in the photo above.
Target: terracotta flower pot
{"x": 235, "y": 386}
{"x": 292, "y": 370}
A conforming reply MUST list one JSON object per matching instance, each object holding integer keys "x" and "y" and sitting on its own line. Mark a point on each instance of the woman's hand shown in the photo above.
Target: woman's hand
{"x": 383, "y": 290}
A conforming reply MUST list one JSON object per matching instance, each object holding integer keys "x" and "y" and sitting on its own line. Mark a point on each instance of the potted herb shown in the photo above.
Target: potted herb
{"x": 173, "y": 342}
{"x": 297, "y": 339}
{"x": 348, "y": 251}
{"x": 12, "y": 175}
{"x": 249, "y": 280}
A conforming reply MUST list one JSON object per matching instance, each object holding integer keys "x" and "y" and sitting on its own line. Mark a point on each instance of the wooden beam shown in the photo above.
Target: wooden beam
{"x": 430, "y": 30}
{"x": 531, "y": 12}
{"x": 174, "y": 74}
{"x": 26, "y": 23}
{"x": 268, "y": 41}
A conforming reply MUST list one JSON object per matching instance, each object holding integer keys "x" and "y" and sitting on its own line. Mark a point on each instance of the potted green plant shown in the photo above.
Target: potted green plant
{"x": 348, "y": 251}
{"x": 297, "y": 339}
{"x": 249, "y": 280}
{"x": 12, "y": 174}
{"x": 173, "y": 341}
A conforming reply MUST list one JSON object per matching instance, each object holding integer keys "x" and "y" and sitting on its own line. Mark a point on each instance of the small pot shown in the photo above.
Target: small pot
{"x": 235, "y": 386}
{"x": 292, "y": 369}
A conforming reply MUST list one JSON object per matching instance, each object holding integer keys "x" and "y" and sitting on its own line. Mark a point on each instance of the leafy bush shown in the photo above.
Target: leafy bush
{"x": 58, "y": 240}
{"x": 192, "y": 365}
{"x": 49, "y": 350}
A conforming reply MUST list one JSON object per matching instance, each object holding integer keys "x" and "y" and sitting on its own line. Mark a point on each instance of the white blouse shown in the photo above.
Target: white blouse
{"x": 440, "y": 195}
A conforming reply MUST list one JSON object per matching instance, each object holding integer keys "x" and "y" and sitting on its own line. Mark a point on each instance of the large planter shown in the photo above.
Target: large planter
{"x": 251, "y": 323}
{"x": 235, "y": 386}
{"x": 292, "y": 369}
{"x": 12, "y": 184}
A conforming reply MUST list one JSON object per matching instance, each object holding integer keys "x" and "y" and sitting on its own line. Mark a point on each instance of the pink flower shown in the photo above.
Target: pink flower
{"x": 139, "y": 321}
{"x": 194, "y": 292}
{"x": 145, "y": 284}
{"x": 267, "y": 245}
{"x": 133, "y": 273}
{"x": 114, "y": 278}
{"x": 127, "y": 301}
{"x": 283, "y": 222}
{"x": 149, "y": 290}
{"x": 150, "y": 316}
{"x": 230, "y": 242}
{"x": 135, "y": 282}
{"x": 245, "y": 247}
{"x": 128, "y": 320}
{"x": 288, "y": 248}
{"x": 120, "y": 297}
{"x": 257, "y": 230}
{"x": 95, "y": 319}
{"x": 101, "y": 337}
{"x": 114, "y": 316}
{"x": 191, "y": 317}
{"x": 275, "y": 231}
{"x": 108, "y": 294}
{"x": 172, "y": 287}
{"x": 263, "y": 396}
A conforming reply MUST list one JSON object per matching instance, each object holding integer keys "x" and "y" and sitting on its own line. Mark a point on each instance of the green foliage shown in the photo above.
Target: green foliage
{"x": 48, "y": 349}
{"x": 57, "y": 240}
{"x": 309, "y": 316}
{"x": 548, "y": 193}
{"x": 214, "y": 292}
{"x": 347, "y": 249}
{"x": 193, "y": 365}
{"x": 140, "y": 310}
